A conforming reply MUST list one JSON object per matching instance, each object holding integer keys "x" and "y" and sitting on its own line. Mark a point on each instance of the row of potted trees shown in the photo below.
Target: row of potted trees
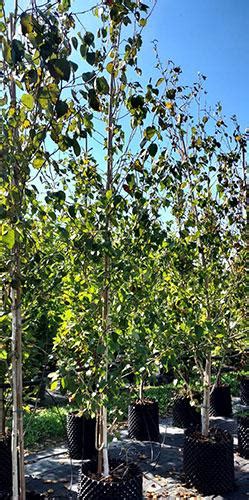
{"x": 131, "y": 286}
{"x": 208, "y": 463}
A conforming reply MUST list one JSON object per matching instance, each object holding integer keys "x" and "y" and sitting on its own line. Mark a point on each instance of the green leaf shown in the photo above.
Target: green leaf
{"x": 9, "y": 238}
{"x": 61, "y": 108}
{"x": 136, "y": 101}
{"x": 26, "y": 23}
{"x": 88, "y": 38}
{"x": 60, "y": 69}
{"x": 88, "y": 77}
{"x": 199, "y": 330}
{"x": 17, "y": 51}
{"x": 159, "y": 81}
{"x": 102, "y": 85}
{"x": 83, "y": 50}
{"x": 74, "y": 42}
{"x": 28, "y": 101}
{"x": 90, "y": 57}
{"x": 171, "y": 93}
{"x": 76, "y": 147}
{"x": 149, "y": 132}
{"x": 72, "y": 211}
{"x": 93, "y": 100}
{"x": 152, "y": 149}
{"x": 60, "y": 195}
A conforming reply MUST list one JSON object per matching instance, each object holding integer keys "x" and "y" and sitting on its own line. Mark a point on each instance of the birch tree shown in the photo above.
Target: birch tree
{"x": 202, "y": 184}
{"x": 31, "y": 105}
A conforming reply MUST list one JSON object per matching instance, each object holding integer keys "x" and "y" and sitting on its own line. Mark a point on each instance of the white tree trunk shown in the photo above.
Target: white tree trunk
{"x": 206, "y": 397}
{"x": 103, "y": 459}
{"x": 106, "y": 470}
{"x": 17, "y": 446}
{"x": 18, "y": 474}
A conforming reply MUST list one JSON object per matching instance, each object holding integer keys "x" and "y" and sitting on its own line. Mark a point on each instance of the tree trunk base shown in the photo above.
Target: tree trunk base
{"x": 127, "y": 486}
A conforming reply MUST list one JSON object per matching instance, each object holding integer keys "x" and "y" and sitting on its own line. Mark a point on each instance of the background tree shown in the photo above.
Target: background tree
{"x": 204, "y": 261}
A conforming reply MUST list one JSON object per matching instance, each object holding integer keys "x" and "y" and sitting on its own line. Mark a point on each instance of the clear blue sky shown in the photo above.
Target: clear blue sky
{"x": 210, "y": 36}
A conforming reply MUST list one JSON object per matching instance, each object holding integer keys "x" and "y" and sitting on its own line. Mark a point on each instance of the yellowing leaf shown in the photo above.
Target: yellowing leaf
{"x": 28, "y": 101}
{"x": 26, "y": 124}
{"x": 38, "y": 162}
{"x": 169, "y": 105}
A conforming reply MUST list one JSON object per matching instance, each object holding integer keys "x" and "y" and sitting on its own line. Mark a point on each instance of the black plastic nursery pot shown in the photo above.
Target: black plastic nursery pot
{"x": 143, "y": 421}
{"x": 125, "y": 483}
{"x": 243, "y": 436}
{"x": 184, "y": 415}
{"x": 5, "y": 467}
{"x": 208, "y": 463}
{"x": 33, "y": 495}
{"x": 220, "y": 401}
{"x": 244, "y": 390}
{"x": 81, "y": 436}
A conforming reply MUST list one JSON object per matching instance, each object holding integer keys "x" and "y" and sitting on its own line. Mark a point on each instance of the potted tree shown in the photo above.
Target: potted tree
{"x": 204, "y": 277}
{"x": 91, "y": 331}
{"x": 33, "y": 39}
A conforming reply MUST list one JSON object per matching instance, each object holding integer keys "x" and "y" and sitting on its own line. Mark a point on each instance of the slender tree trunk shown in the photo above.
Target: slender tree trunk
{"x": 208, "y": 362}
{"x": 141, "y": 390}
{"x": 103, "y": 451}
{"x": 18, "y": 473}
{"x": 206, "y": 397}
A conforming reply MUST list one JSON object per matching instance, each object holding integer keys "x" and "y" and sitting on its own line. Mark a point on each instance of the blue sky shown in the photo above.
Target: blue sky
{"x": 206, "y": 36}
{"x": 210, "y": 36}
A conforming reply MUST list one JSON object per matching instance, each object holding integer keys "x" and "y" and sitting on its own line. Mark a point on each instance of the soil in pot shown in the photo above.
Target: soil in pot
{"x": 208, "y": 462}
{"x": 124, "y": 483}
{"x": 143, "y": 420}
{"x": 220, "y": 401}
{"x": 81, "y": 436}
{"x": 244, "y": 391}
{"x": 184, "y": 415}
{"x": 243, "y": 436}
{"x": 5, "y": 467}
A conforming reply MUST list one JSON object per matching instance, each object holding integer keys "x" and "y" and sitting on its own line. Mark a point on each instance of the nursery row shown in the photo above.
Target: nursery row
{"x": 208, "y": 463}
{"x": 122, "y": 245}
